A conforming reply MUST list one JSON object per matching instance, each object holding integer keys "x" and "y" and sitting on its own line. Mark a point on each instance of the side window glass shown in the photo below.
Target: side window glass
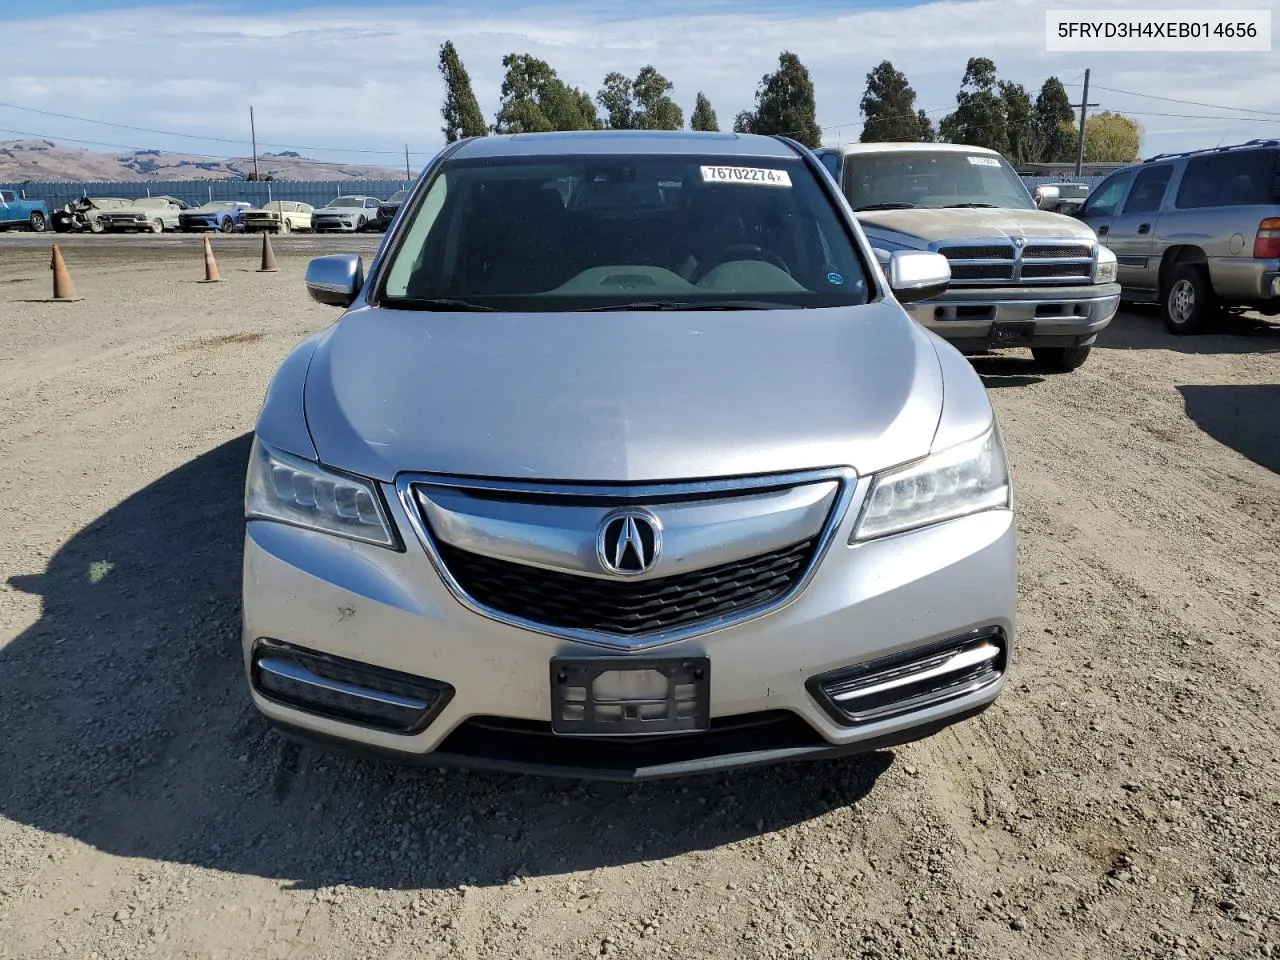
{"x": 1148, "y": 189}
{"x": 1107, "y": 199}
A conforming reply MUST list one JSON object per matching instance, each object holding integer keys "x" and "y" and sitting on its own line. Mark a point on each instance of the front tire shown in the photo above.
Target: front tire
{"x": 157, "y": 225}
{"x": 36, "y": 222}
{"x": 360, "y": 224}
{"x": 1061, "y": 359}
{"x": 225, "y": 225}
{"x": 1188, "y": 303}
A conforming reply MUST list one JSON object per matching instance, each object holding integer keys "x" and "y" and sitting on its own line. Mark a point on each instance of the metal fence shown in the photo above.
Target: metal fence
{"x": 195, "y": 192}
{"x": 315, "y": 192}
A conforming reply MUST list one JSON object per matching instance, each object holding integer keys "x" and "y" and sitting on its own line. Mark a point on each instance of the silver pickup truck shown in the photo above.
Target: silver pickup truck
{"x": 1020, "y": 276}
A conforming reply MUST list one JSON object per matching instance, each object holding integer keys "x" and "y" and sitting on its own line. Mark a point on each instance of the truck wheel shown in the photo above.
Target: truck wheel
{"x": 36, "y": 221}
{"x": 1187, "y": 303}
{"x": 95, "y": 226}
{"x": 1061, "y": 359}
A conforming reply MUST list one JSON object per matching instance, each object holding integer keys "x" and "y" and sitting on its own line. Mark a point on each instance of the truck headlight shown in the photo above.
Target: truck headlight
{"x": 292, "y": 490}
{"x": 1105, "y": 270}
{"x": 968, "y": 478}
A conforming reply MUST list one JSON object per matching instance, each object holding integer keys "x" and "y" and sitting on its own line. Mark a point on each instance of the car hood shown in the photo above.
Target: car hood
{"x": 964, "y": 223}
{"x": 622, "y": 396}
{"x": 337, "y": 210}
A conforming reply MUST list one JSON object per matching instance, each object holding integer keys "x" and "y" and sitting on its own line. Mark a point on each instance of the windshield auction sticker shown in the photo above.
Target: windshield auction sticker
{"x": 984, "y": 161}
{"x": 761, "y": 176}
{"x": 1153, "y": 31}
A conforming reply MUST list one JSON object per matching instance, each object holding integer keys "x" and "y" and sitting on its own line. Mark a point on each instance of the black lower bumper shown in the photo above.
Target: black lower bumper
{"x": 528, "y": 747}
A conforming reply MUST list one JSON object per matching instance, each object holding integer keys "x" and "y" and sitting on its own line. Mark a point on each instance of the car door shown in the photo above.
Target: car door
{"x": 1099, "y": 210}
{"x": 1133, "y": 228}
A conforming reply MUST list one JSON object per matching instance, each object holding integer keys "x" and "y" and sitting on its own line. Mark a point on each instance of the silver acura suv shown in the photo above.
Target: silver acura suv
{"x": 624, "y": 461}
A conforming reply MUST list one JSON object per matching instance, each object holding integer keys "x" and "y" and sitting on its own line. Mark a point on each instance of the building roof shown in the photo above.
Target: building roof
{"x": 606, "y": 142}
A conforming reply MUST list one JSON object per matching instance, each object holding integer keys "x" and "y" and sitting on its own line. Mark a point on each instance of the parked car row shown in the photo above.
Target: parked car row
{"x": 165, "y": 213}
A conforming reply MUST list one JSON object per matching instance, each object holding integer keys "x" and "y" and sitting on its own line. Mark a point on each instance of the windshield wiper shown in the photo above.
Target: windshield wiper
{"x": 952, "y": 206}
{"x": 441, "y": 304}
{"x": 656, "y": 305}
{"x": 899, "y": 205}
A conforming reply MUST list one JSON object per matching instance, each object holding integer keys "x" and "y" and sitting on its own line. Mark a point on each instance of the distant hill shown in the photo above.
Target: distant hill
{"x": 44, "y": 160}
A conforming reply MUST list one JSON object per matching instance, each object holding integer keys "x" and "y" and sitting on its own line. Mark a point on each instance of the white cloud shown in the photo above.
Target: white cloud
{"x": 367, "y": 78}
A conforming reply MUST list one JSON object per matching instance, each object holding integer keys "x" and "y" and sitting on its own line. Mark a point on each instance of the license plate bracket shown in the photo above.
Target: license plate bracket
{"x": 1012, "y": 333}
{"x": 617, "y": 696}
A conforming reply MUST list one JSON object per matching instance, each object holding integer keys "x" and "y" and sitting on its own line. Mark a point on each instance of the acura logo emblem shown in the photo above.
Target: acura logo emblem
{"x": 629, "y": 542}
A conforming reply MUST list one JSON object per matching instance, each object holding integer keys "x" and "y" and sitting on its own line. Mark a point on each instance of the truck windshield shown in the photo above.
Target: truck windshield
{"x": 933, "y": 179}
{"x": 608, "y": 232}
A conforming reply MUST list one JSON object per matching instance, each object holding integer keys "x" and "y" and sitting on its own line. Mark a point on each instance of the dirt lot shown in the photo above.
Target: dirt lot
{"x": 1122, "y": 799}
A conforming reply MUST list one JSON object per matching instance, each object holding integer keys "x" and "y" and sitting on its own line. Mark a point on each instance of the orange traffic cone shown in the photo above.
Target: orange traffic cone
{"x": 64, "y": 291}
{"x": 268, "y": 255}
{"x": 211, "y": 274}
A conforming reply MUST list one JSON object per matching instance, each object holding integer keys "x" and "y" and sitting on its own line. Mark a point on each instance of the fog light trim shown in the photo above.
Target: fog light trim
{"x": 346, "y": 690}
{"x": 913, "y": 680}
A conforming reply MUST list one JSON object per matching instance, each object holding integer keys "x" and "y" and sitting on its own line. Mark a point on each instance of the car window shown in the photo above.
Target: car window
{"x": 831, "y": 160}
{"x": 1231, "y": 178}
{"x": 1148, "y": 189}
{"x": 932, "y": 179}
{"x": 1107, "y": 198}
{"x": 551, "y": 234}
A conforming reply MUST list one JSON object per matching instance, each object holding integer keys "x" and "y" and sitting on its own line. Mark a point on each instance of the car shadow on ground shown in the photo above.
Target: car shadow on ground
{"x": 1138, "y": 327}
{"x": 1244, "y": 417}
{"x": 1003, "y": 370}
{"x": 126, "y": 726}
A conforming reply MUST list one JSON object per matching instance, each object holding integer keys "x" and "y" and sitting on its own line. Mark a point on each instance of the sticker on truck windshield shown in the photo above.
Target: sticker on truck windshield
{"x": 984, "y": 161}
{"x": 760, "y": 175}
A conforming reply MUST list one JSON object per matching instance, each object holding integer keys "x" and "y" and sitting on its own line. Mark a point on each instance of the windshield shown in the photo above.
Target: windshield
{"x": 221, "y": 205}
{"x": 398, "y": 196}
{"x": 348, "y": 202}
{"x": 604, "y": 232}
{"x": 933, "y": 179}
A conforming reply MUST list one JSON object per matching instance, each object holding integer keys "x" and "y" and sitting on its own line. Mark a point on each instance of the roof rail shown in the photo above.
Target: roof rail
{"x": 1193, "y": 153}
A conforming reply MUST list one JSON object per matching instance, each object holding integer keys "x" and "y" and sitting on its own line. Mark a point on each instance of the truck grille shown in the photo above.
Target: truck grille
{"x": 627, "y": 608}
{"x": 1038, "y": 262}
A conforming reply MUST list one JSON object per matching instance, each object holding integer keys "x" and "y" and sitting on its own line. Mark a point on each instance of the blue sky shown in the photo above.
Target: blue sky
{"x": 356, "y": 81}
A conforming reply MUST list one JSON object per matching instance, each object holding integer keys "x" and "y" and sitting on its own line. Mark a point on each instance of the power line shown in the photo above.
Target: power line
{"x": 189, "y": 136}
{"x": 1189, "y": 103}
{"x": 200, "y": 156}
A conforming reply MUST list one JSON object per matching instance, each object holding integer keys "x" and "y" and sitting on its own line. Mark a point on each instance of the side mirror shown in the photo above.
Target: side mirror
{"x": 1047, "y": 197}
{"x": 918, "y": 275}
{"x": 335, "y": 281}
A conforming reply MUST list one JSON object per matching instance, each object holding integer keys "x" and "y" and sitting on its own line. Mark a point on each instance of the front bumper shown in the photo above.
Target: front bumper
{"x": 125, "y": 224}
{"x": 334, "y": 223}
{"x": 986, "y": 317}
{"x": 391, "y": 611}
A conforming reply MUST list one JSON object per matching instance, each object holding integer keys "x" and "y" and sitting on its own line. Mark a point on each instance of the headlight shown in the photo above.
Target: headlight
{"x": 1105, "y": 271}
{"x": 292, "y": 490}
{"x": 967, "y": 478}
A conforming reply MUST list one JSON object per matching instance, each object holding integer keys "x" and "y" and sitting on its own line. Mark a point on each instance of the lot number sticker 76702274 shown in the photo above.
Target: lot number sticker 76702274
{"x": 761, "y": 176}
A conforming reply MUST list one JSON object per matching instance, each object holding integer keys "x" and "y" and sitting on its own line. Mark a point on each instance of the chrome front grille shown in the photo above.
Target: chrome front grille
{"x": 537, "y": 556}
{"x": 623, "y": 607}
{"x": 1002, "y": 261}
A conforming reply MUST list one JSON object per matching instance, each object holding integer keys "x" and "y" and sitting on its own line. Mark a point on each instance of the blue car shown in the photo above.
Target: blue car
{"x": 220, "y": 215}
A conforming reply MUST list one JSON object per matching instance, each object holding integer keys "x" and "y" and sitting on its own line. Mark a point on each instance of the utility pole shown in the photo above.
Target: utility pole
{"x": 1084, "y": 108}
{"x": 406, "y": 162}
{"x": 252, "y": 129}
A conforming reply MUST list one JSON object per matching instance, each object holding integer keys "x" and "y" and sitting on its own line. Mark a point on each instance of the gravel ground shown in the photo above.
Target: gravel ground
{"x": 1122, "y": 799}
